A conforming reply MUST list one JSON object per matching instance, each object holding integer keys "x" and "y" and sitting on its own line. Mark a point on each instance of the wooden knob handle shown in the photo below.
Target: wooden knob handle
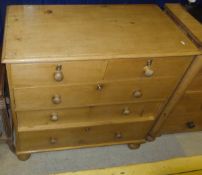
{"x": 56, "y": 99}
{"x": 100, "y": 87}
{"x": 58, "y": 75}
{"x": 53, "y": 140}
{"x": 54, "y": 117}
{"x": 118, "y": 135}
{"x": 148, "y": 72}
{"x": 191, "y": 125}
{"x": 137, "y": 93}
{"x": 126, "y": 111}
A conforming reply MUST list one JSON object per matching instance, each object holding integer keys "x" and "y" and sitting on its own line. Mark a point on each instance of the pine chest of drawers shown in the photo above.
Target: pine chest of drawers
{"x": 90, "y": 75}
{"x": 187, "y": 113}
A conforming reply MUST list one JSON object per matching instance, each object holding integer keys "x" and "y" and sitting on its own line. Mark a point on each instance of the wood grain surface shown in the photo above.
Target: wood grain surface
{"x": 84, "y": 32}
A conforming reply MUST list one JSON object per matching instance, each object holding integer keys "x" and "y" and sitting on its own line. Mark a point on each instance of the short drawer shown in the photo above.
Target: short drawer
{"x": 92, "y": 71}
{"x": 83, "y": 136}
{"x": 57, "y": 73}
{"x": 47, "y": 119}
{"x": 93, "y": 94}
{"x": 147, "y": 67}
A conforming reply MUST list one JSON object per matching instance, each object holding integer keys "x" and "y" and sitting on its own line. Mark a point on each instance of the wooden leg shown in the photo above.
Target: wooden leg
{"x": 23, "y": 157}
{"x": 133, "y": 145}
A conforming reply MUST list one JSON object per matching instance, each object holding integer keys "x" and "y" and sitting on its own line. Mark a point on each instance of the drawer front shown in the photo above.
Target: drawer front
{"x": 93, "y": 94}
{"x": 93, "y": 71}
{"x": 196, "y": 84}
{"x": 84, "y": 136}
{"x": 187, "y": 122}
{"x": 187, "y": 114}
{"x": 135, "y": 68}
{"x": 47, "y": 74}
{"x": 190, "y": 102}
{"x": 35, "y": 120}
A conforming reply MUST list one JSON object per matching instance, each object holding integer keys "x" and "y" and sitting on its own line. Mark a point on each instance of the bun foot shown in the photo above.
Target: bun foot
{"x": 23, "y": 157}
{"x": 150, "y": 138}
{"x": 133, "y": 145}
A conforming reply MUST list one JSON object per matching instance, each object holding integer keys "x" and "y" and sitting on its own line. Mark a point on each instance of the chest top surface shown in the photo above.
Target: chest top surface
{"x": 188, "y": 22}
{"x": 51, "y": 33}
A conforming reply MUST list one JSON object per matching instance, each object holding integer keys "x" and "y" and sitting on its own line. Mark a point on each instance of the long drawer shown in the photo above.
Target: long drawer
{"x": 93, "y": 71}
{"x": 93, "y": 94}
{"x": 83, "y": 136}
{"x": 196, "y": 84}
{"x": 39, "y": 120}
{"x": 183, "y": 122}
{"x": 187, "y": 114}
{"x": 190, "y": 102}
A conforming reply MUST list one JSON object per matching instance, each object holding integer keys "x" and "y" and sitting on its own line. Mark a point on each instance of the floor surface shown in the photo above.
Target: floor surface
{"x": 176, "y": 166}
{"x": 164, "y": 147}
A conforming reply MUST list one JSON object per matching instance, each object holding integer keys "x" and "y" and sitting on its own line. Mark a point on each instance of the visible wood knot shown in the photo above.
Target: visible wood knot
{"x": 48, "y": 11}
{"x": 132, "y": 22}
{"x": 81, "y": 142}
{"x": 18, "y": 38}
{"x": 104, "y": 5}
